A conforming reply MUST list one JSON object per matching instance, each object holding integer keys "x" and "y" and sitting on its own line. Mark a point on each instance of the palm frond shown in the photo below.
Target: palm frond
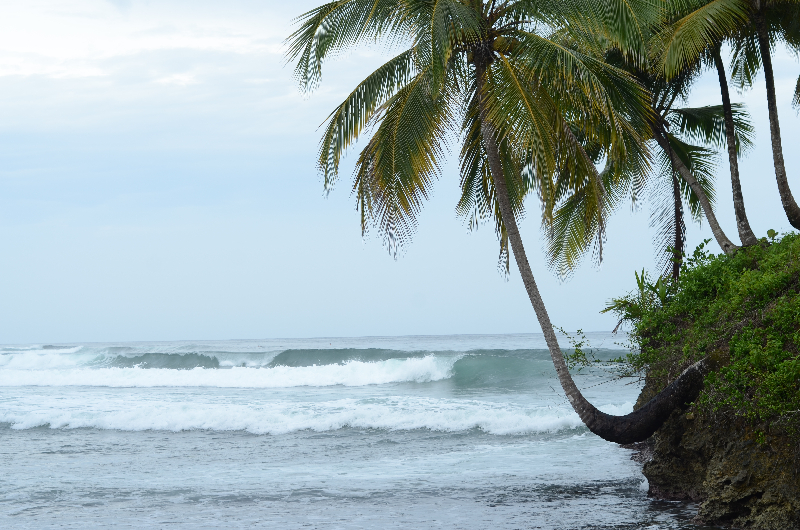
{"x": 349, "y": 119}
{"x": 446, "y": 24}
{"x": 745, "y": 60}
{"x": 783, "y": 20}
{"x": 337, "y": 26}
{"x": 576, "y": 225}
{"x": 624, "y": 24}
{"x": 396, "y": 170}
{"x": 698, "y": 24}
{"x": 707, "y": 125}
{"x": 478, "y": 202}
{"x": 701, "y": 162}
{"x": 609, "y": 90}
{"x": 520, "y": 113}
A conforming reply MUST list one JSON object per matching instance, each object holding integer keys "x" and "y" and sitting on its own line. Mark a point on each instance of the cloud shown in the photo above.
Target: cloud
{"x": 76, "y": 39}
{"x": 178, "y": 79}
{"x": 120, "y": 4}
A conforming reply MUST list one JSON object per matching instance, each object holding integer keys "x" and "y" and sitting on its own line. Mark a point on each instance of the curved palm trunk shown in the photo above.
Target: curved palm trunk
{"x": 787, "y": 199}
{"x": 745, "y": 232}
{"x": 634, "y": 427}
{"x": 677, "y": 164}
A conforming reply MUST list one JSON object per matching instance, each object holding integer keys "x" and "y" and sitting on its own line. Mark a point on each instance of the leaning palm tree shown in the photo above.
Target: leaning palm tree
{"x": 695, "y": 135}
{"x": 485, "y": 73}
{"x": 753, "y": 26}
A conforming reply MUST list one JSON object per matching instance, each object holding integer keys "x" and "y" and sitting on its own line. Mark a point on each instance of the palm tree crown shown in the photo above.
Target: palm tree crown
{"x": 682, "y": 143}
{"x": 422, "y": 99}
{"x": 531, "y": 113}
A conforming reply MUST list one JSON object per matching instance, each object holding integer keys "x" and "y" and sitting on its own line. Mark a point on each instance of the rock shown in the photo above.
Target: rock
{"x": 738, "y": 481}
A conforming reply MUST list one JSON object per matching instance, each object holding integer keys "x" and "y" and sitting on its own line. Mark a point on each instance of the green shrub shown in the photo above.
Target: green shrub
{"x": 744, "y": 308}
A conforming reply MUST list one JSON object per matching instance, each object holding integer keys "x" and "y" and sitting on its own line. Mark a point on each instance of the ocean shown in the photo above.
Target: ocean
{"x": 445, "y": 432}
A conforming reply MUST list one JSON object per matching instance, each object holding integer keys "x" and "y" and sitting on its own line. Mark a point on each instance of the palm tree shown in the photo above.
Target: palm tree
{"x": 746, "y": 234}
{"x": 676, "y": 14}
{"x": 687, "y": 138}
{"x": 693, "y": 137}
{"x": 485, "y": 72}
{"x": 683, "y": 143}
{"x": 753, "y": 25}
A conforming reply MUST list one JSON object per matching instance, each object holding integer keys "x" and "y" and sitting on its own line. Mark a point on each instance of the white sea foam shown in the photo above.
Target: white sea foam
{"x": 395, "y": 413}
{"x": 352, "y": 373}
{"x": 40, "y": 359}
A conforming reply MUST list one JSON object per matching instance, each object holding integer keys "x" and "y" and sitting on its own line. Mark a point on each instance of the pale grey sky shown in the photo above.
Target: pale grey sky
{"x": 157, "y": 182}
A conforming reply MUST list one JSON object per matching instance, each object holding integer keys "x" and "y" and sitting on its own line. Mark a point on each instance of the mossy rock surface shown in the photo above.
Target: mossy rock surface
{"x": 738, "y": 479}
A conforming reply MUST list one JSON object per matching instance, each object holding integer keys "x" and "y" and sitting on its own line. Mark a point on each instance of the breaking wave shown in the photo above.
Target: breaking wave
{"x": 350, "y": 373}
{"x": 397, "y": 413}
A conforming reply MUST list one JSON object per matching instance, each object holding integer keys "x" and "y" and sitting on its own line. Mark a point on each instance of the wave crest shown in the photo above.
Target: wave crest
{"x": 351, "y": 373}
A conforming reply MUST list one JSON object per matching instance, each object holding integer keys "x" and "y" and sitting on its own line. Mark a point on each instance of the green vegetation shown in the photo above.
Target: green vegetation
{"x": 743, "y": 309}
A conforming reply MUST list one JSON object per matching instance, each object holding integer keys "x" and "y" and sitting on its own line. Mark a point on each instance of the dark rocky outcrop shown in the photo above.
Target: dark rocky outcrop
{"x": 740, "y": 478}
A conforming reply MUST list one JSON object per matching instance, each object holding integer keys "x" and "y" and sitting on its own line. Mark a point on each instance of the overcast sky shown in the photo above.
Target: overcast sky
{"x": 157, "y": 182}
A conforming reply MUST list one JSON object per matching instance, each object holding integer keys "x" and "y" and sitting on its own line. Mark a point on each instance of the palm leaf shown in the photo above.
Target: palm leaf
{"x": 478, "y": 202}
{"x": 576, "y": 224}
{"x": 622, "y": 23}
{"x": 397, "y": 168}
{"x": 446, "y": 22}
{"x": 707, "y": 125}
{"x": 701, "y": 162}
{"x": 698, "y": 24}
{"x": 339, "y": 25}
{"x": 745, "y": 60}
{"x": 520, "y": 113}
{"x": 351, "y": 116}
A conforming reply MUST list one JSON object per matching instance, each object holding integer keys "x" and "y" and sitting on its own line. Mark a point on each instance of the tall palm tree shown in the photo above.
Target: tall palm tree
{"x": 688, "y": 138}
{"x": 746, "y": 234}
{"x": 485, "y": 72}
{"x": 677, "y": 17}
{"x": 754, "y": 25}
